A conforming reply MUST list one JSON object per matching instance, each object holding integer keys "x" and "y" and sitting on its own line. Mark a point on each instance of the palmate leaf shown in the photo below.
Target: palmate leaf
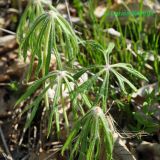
{"x": 87, "y": 132}
{"x": 74, "y": 132}
{"x": 70, "y": 38}
{"x": 33, "y": 10}
{"x": 37, "y": 50}
{"x": 62, "y": 83}
{"x": 83, "y": 139}
{"x": 106, "y": 69}
{"x": 43, "y": 34}
{"x": 59, "y": 79}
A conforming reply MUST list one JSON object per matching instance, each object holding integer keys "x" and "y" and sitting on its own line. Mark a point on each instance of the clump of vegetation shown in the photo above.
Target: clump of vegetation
{"x": 44, "y": 32}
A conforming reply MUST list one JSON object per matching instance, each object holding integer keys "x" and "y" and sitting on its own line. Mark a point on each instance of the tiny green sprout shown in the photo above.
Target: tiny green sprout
{"x": 13, "y": 86}
{"x": 88, "y": 135}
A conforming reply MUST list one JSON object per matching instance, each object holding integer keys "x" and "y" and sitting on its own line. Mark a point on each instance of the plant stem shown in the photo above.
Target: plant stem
{"x": 64, "y": 111}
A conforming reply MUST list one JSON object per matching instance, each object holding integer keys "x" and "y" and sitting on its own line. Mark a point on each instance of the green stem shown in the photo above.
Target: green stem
{"x": 64, "y": 111}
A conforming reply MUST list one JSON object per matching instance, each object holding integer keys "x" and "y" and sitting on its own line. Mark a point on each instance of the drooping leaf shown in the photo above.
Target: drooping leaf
{"x": 87, "y": 134}
{"x": 53, "y": 108}
{"x": 130, "y": 69}
{"x": 33, "y": 88}
{"x": 35, "y": 106}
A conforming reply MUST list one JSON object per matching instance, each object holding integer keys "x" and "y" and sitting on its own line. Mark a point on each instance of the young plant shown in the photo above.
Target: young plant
{"x": 49, "y": 31}
{"x": 58, "y": 86}
{"x": 105, "y": 71}
{"x": 91, "y": 137}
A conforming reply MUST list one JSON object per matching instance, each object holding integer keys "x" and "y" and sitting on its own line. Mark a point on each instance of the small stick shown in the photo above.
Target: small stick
{"x": 69, "y": 16}
{"x": 7, "y": 31}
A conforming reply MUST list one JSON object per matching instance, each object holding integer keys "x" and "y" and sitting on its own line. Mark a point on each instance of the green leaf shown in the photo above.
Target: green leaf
{"x": 86, "y": 100}
{"x": 39, "y": 47}
{"x": 87, "y": 84}
{"x": 34, "y": 105}
{"x": 53, "y": 110}
{"x": 93, "y": 138}
{"x": 24, "y": 45}
{"x": 107, "y": 52}
{"x": 108, "y": 137}
{"x": 87, "y": 131}
{"x": 32, "y": 11}
{"x": 71, "y": 136}
{"x": 48, "y": 47}
{"x": 122, "y": 79}
{"x": 130, "y": 69}
{"x": 32, "y": 88}
{"x": 111, "y": 46}
{"x": 104, "y": 91}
